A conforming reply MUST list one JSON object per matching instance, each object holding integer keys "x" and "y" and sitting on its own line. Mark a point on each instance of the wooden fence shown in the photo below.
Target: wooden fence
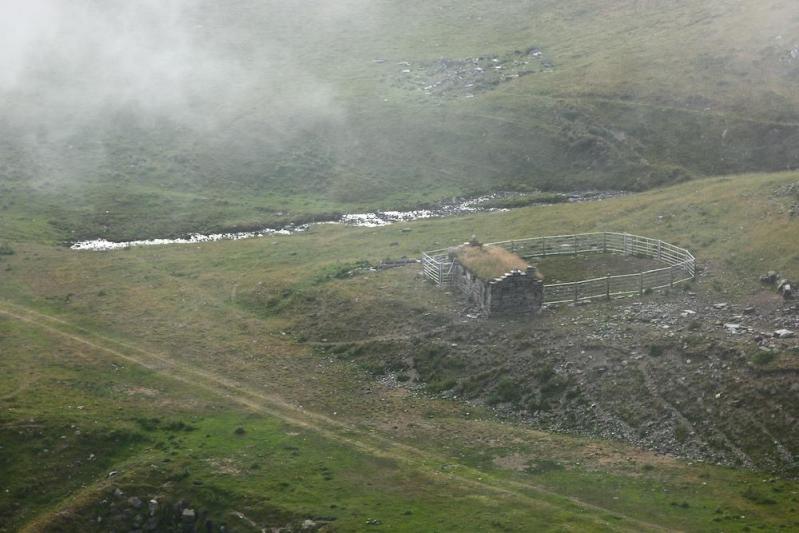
{"x": 680, "y": 264}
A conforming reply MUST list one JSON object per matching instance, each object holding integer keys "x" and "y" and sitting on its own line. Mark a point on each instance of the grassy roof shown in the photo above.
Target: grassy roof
{"x": 488, "y": 262}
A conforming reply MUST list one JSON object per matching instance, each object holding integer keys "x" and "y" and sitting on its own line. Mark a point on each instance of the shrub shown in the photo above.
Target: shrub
{"x": 506, "y": 391}
{"x": 179, "y": 426}
{"x": 543, "y": 466}
{"x": 681, "y": 433}
{"x": 441, "y": 385}
{"x": 536, "y": 404}
{"x": 6, "y": 249}
{"x": 754, "y": 496}
{"x": 694, "y": 340}
{"x": 656, "y": 350}
{"x": 762, "y": 358}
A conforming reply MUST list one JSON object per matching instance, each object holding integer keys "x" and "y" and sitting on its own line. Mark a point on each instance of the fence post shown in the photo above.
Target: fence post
{"x": 641, "y": 285}
{"x": 604, "y": 242}
{"x": 660, "y": 256}
{"x": 607, "y": 286}
{"x": 512, "y": 246}
{"x": 543, "y": 246}
{"x": 576, "y": 285}
{"x": 671, "y": 277}
{"x": 574, "y": 244}
{"x": 440, "y": 272}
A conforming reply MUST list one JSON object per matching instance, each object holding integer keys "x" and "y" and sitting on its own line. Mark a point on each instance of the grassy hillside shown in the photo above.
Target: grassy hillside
{"x": 156, "y": 356}
{"x": 379, "y": 105}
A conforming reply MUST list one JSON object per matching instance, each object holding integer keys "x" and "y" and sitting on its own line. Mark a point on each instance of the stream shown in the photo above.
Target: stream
{"x": 369, "y": 220}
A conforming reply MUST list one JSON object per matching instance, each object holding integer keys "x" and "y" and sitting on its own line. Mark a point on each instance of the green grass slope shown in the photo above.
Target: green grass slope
{"x": 210, "y": 336}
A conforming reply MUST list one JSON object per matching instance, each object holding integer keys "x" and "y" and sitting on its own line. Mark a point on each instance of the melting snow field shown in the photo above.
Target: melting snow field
{"x": 369, "y": 220}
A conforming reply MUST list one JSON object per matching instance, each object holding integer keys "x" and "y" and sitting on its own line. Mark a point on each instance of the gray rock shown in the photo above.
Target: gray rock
{"x": 135, "y": 502}
{"x": 785, "y": 290}
{"x": 151, "y": 524}
{"x": 188, "y": 516}
{"x": 783, "y": 334}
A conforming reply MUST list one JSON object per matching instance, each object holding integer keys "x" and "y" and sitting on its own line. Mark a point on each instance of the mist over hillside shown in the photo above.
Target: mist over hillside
{"x": 320, "y": 106}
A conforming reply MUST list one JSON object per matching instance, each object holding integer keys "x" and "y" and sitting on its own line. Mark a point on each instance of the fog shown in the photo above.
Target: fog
{"x": 68, "y": 63}
{"x": 350, "y": 98}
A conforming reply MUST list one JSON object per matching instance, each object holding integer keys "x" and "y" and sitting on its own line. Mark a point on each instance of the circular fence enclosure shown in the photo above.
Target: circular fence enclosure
{"x": 680, "y": 264}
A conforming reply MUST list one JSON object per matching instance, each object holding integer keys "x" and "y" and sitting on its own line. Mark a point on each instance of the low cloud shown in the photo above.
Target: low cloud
{"x": 67, "y": 64}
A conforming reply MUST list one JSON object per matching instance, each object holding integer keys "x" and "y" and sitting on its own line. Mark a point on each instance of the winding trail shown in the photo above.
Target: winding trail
{"x": 21, "y": 387}
{"x": 531, "y": 495}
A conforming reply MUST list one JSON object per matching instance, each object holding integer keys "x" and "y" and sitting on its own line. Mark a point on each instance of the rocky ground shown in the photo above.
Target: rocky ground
{"x": 454, "y": 78}
{"x": 706, "y": 381}
{"x": 682, "y": 373}
{"x": 789, "y": 192}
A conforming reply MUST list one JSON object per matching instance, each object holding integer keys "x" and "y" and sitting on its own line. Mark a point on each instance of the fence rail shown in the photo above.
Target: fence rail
{"x": 681, "y": 264}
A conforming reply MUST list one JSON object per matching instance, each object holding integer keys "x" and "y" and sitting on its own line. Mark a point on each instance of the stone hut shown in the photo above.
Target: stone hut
{"x": 497, "y": 280}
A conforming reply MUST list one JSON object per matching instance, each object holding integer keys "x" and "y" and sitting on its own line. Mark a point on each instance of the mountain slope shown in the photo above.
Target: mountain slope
{"x": 384, "y": 105}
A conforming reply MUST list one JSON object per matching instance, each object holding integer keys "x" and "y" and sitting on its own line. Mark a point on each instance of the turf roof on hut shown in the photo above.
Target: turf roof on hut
{"x": 488, "y": 262}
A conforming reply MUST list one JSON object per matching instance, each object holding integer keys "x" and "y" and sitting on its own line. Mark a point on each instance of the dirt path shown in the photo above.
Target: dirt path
{"x": 375, "y": 445}
{"x": 21, "y": 387}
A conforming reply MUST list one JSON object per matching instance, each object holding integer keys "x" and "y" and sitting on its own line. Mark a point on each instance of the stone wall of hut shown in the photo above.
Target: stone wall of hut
{"x": 515, "y": 292}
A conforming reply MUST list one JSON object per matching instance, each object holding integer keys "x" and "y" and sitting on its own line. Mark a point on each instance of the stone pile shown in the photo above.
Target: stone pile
{"x": 783, "y": 285}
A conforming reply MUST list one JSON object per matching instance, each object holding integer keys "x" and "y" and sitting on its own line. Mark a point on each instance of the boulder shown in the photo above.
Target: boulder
{"x": 135, "y": 502}
{"x": 784, "y": 289}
